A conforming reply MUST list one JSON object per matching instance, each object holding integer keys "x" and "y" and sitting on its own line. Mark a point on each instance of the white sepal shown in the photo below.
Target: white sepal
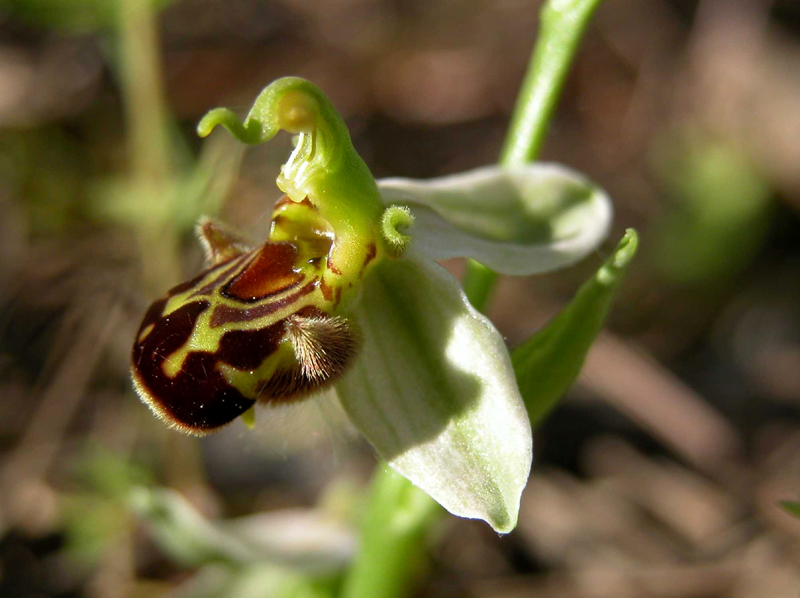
{"x": 434, "y": 391}
{"x": 518, "y": 221}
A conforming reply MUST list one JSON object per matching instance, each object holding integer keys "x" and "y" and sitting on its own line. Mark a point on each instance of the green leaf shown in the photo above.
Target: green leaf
{"x": 433, "y": 390}
{"x": 548, "y": 363}
{"x": 522, "y": 220}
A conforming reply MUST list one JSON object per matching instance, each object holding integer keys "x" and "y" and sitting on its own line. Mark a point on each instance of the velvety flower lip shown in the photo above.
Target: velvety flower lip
{"x": 346, "y": 294}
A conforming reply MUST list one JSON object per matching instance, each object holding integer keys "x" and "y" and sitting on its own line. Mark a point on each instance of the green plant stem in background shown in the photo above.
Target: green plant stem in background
{"x": 139, "y": 71}
{"x": 399, "y": 515}
{"x": 561, "y": 27}
{"x": 142, "y": 95}
{"x": 394, "y": 536}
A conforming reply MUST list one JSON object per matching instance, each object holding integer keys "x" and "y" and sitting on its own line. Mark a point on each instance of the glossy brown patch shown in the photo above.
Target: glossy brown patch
{"x": 271, "y": 272}
{"x": 372, "y": 251}
{"x": 226, "y": 271}
{"x": 327, "y": 291}
{"x": 198, "y": 398}
{"x": 332, "y": 267}
{"x": 224, "y": 314}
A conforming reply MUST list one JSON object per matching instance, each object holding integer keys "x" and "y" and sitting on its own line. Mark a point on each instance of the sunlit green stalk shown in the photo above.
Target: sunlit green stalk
{"x": 393, "y": 541}
{"x": 561, "y": 27}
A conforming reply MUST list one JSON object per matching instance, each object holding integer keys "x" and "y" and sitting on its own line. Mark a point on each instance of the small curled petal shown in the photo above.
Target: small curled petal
{"x": 394, "y": 221}
{"x": 249, "y": 131}
{"x": 323, "y": 168}
{"x": 290, "y": 104}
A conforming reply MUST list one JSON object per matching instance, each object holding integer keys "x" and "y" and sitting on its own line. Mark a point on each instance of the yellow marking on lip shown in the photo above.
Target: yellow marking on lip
{"x": 249, "y": 418}
{"x": 206, "y": 339}
{"x": 146, "y": 332}
{"x": 248, "y": 382}
{"x": 172, "y": 364}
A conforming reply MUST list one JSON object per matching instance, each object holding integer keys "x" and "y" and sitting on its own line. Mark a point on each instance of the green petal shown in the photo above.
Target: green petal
{"x": 551, "y": 359}
{"x": 434, "y": 391}
{"x": 521, "y": 220}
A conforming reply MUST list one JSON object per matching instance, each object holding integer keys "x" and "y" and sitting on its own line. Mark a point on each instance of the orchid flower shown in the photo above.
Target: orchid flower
{"x": 346, "y": 294}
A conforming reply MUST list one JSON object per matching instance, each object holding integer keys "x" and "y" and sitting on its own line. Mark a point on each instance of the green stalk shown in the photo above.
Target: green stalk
{"x": 399, "y": 516}
{"x": 142, "y": 94}
{"x": 394, "y": 536}
{"x": 139, "y": 69}
{"x": 561, "y": 27}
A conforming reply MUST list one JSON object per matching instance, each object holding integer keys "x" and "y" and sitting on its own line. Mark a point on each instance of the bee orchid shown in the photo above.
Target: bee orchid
{"x": 346, "y": 294}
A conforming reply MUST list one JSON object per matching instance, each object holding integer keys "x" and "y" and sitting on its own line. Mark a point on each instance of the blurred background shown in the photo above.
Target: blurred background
{"x": 660, "y": 475}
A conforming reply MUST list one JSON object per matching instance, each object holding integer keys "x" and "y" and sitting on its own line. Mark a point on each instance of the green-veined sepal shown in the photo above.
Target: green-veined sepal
{"x": 518, "y": 221}
{"x": 433, "y": 390}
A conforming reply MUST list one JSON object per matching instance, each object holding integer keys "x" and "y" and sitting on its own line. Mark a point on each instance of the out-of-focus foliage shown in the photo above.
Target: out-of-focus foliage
{"x": 720, "y": 213}
{"x": 48, "y": 168}
{"x": 792, "y": 506}
{"x": 97, "y": 513}
{"x": 76, "y": 16}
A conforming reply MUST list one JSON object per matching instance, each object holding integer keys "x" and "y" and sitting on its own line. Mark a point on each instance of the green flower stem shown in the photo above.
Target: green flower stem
{"x": 399, "y": 515}
{"x": 140, "y": 78}
{"x": 395, "y": 531}
{"x": 561, "y": 27}
{"x": 146, "y": 129}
